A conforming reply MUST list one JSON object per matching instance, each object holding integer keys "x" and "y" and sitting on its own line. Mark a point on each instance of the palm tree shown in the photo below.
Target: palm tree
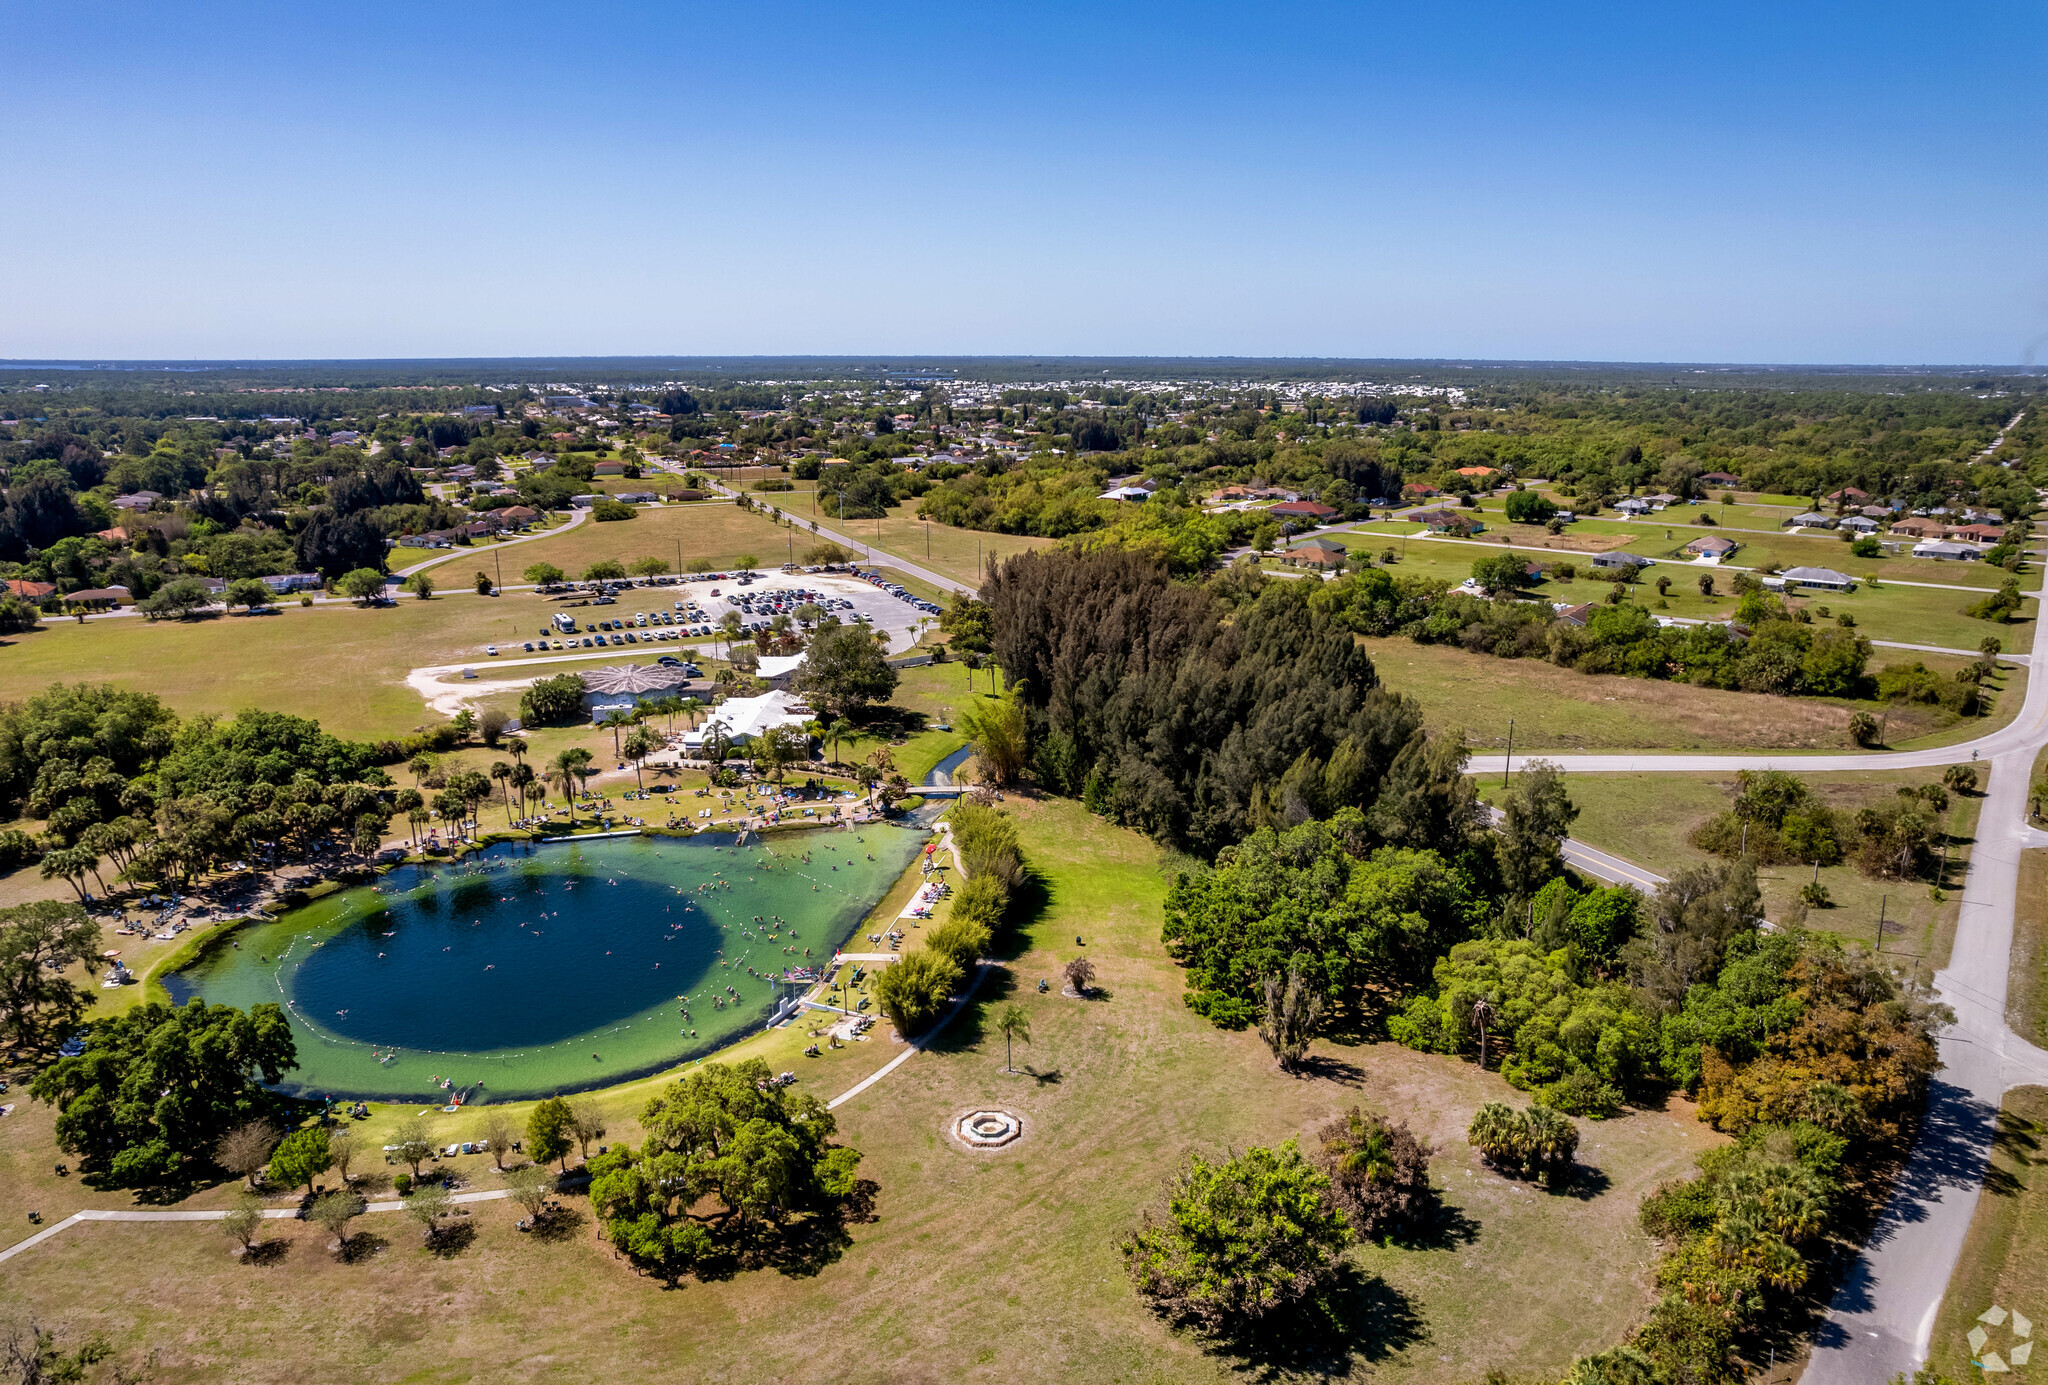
{"x": 640, "y": 743}
{"x": 564, "y": 770}
{"x": 840, "y": 730}
{"x": 516, "y": 785}
{"x": 1013, "y": 1023}
{"x": 1484, "y": 1013}
{"x": 502, "y": 772}
{"x": 728, "y": 626}
{"x": 1370, "y": 1150}
{"x": 515, "y": 747}
{"x": 614, "y": 720}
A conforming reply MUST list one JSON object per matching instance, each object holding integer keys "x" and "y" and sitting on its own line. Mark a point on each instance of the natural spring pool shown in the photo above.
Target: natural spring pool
{"x": 524, "y": 971}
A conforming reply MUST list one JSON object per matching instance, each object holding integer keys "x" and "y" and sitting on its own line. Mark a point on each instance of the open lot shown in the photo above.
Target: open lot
{"x": 980, "y": 1267}
{"x": 2002, "y": 1263}
{"x": 710, "y": 534}
{"x": 1560, "y": 709}
{"x": 1649, "y": 819}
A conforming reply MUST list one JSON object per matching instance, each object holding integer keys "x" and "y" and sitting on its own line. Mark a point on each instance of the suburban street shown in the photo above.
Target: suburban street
{"x": 1883, "y": 1315}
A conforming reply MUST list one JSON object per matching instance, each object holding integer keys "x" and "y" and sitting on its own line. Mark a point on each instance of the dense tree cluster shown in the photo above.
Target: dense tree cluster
{"x": 1778, "y": 818}
{"x": 116, "y": 776}
{"x": 1321, "y": 898}
{"x": 157, "y": 1089}
{"x": 1175, "y": 715}
{"x": 730, "y": 1132}
{"x": 1585, "y": 1048}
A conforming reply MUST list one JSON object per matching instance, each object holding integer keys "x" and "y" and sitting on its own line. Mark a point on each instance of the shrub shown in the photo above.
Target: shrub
{"x": 963, "y": 940}
{"x": 1241, "y": 1239}
{"x": 1679, "y": 1207}
{"x": 1537, "y": 1142}
{"x": 1378, "y": 1172}
{"x": 607, "y": 510}
{"x": 914, "y": 991}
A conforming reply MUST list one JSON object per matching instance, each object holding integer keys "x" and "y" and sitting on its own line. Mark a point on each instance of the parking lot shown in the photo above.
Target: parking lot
{"x": 622, "y": 618}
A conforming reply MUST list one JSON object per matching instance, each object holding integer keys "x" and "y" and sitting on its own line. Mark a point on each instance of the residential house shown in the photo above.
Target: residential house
{"x": 1616, "y": 562}
{"x": 139, "y": 500}
{"x": 686, "y": 495}
{"x": 30, "y": 591}
{"x": 636, "y": 497}
{"x": 1124, "y": 493}
{"x": 1978, "y": 533}
{"x": 1812, "y": 519}
{"x": 517, "y": 516}
{"x": 1477, "y": 472}
{"x": 294, "y": 582}
{"x": 1448, "y": 521}
{"x": 1721, "y": 479}
{"x": 1631, "y": 505}
{"x": 1945, "y": 550}
{"x": 1577, "y": 615}
{"x": 1879, "y": 511}
{"x": 609, "y": 469}
{"x": 1859, "y": 524}
{"x": 1919, "y": 528}
{"x": 1712, "y": 546}
{"x": 1848, "y": 495}
{"x": 100, "y": 598}
{"x": 1320, "y": 553}
{"x": 1419, "y": 490}
{"x": 1661, "y": 501}
{"x": 343, "y": 437}
{"x": 480, "y": 411}
{"x": 1309, "y": 510}
{"x": 114, "y": 535}
{"x": 1825, "y": 578}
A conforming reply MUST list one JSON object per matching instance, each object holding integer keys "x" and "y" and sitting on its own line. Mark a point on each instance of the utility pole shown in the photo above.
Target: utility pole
{"x": 1508, "y": 765}
{"x": 1882, "y": 900}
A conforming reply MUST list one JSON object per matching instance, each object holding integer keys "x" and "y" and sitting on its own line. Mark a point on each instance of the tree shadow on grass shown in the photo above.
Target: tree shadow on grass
{"x": 557, "y": 1224}
{"x": 267, "y": 1253}
{"x": 1328, "y": 1067}
{"x": 452, "y": 1239}
{"x": 361, "y": 1246}
{"x": 1439, "y": 1226}
{"x": 1357, "y": 1319}
{"x": 1585, "y": 1184}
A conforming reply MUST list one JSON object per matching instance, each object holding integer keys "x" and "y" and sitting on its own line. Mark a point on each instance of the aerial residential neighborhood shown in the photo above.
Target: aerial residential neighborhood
{"x": 712, "y": 694}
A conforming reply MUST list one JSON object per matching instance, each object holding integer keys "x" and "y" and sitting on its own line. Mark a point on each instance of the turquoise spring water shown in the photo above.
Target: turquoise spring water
{"x": 525, "y": 971}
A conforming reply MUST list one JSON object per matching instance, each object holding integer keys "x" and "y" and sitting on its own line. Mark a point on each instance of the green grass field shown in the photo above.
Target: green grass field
{"x": 2002, "y": 1263}
{"x": 979, "y": 1268}
{"x": 1559, "y": 709}
{"x": 713, "y": 535}
{"x": 2026, "y": 994}
{"x": 1649, "y": 819}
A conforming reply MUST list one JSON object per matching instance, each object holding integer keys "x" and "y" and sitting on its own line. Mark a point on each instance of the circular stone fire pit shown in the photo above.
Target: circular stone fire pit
{"x": 987, "y": 1129}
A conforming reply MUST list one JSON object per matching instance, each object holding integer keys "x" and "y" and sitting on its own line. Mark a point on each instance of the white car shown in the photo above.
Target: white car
{"x": 491, "y": 650}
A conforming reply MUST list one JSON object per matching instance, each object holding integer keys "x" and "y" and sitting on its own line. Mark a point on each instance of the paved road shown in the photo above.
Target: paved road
{"x": 1601, "y": 865}
{"x": 1882, "y": 1317}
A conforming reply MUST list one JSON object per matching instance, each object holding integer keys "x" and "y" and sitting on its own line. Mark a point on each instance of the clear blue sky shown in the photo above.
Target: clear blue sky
{"x": 1771, "y": 182}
